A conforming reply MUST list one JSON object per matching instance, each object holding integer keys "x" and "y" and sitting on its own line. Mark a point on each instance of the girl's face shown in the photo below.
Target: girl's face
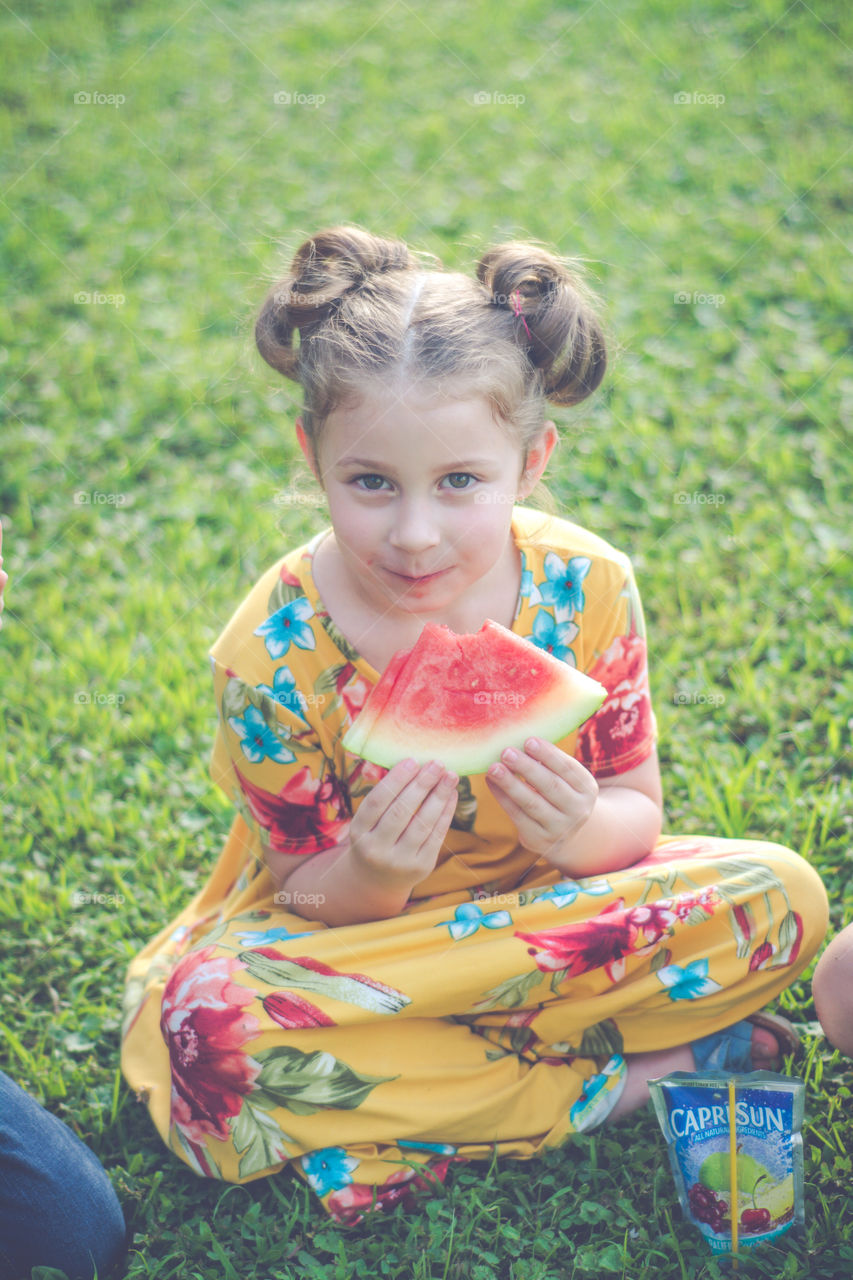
{"x": 420, "y": 492}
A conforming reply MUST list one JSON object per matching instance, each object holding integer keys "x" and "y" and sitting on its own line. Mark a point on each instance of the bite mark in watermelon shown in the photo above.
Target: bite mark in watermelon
{"x": 462, "y": 699}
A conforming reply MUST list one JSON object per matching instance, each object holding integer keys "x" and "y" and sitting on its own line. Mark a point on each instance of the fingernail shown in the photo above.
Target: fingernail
{"x": 510, "y": 755}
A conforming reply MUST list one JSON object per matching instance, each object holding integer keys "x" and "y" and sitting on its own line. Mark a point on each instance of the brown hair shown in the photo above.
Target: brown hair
{"x": 367, "y": 309}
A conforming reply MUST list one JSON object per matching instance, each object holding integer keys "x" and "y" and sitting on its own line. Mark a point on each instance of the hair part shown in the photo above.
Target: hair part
{"x": 369, "y": 310}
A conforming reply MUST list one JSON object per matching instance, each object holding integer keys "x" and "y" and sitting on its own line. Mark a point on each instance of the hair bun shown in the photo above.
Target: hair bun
{"x": 325, "y": 268}
{"x": 555, "y": 317}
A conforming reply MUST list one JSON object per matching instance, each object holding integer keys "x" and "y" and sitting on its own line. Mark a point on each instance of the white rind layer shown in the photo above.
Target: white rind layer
{"x": 477, "y": 748}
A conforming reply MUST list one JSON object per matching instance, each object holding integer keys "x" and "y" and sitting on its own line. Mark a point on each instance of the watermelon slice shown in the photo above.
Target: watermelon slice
{"x": 462, "y": 699}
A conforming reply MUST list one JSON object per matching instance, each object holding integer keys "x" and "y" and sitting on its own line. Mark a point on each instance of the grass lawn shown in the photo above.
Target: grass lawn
{"x": 696, "y": 155}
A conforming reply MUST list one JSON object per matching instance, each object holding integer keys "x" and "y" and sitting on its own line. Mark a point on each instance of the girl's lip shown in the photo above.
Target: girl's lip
{"x": 422, "y": 577}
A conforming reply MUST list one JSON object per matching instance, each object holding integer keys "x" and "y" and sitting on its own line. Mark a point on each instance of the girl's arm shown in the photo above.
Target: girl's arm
{"x": 393, "y": 843}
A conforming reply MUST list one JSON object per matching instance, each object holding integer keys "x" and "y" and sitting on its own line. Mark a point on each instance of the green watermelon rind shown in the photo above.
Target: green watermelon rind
{"x": 382, "y": 737}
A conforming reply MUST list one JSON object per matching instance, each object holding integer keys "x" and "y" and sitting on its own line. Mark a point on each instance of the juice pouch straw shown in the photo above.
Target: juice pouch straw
{"x": 765, "y": 1152}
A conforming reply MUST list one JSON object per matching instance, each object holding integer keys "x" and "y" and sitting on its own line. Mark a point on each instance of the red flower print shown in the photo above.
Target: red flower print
{"x": 760, "y": 956}
{"x": 204, "y": 1025}
{"x": 679, "y": 851}
{"x": 350, "y": 1204}
{"x": 306, "y": 816}
{"x": 625, "y": 721}
{"x": 600, "y": 943}
{"x": 353, "y": 688}
{"x": 292, "y": 1011}
{"x": 289, "y": 579}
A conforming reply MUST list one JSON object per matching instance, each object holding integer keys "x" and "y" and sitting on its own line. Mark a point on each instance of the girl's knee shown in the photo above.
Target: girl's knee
{"x": 832, "y": 989}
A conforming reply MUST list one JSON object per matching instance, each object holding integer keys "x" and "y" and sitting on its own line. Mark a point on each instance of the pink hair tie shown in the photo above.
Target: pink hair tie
{"x": 517, "y": 312}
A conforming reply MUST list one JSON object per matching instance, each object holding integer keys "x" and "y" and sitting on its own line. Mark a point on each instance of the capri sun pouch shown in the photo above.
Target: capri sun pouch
{"x": 765, "y": 1152}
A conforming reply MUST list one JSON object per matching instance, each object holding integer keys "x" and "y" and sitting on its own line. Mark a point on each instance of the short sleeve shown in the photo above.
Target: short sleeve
{"x": 268, "y": 759}
{"x": 623, "y": 732}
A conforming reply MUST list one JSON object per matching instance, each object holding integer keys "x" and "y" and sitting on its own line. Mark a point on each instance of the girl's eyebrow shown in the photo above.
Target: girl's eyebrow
{"x": 350, "y": 461}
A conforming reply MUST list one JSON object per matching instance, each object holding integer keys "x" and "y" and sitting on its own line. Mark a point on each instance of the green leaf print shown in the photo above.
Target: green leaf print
{"x": 512, "y": 994}
{"x": 306, "y": 1082}
{"x": 311, "y": 975}
{"x": 465, "y": 813}
{"x": 339, "y": 638}
{"x": 282, "y": 593}
{"x": 235, "y": 698}
{"x": 260, "y": 1137}
{"x": 604, "y": 1039}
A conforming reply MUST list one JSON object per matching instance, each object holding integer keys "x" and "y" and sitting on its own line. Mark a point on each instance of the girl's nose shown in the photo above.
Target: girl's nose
{"x": 413, "y": 529}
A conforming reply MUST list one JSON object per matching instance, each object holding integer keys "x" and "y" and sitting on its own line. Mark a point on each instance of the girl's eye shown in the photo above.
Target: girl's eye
{"x": 459, "y": 479}
{"x": 370, "y": 482}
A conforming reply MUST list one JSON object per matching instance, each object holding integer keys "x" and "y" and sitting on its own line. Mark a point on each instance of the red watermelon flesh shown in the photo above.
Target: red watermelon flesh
{"x": 462, "y": 699}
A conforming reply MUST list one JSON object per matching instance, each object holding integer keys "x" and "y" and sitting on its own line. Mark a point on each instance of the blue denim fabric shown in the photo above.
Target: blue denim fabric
{"x": 57, "y": 1206}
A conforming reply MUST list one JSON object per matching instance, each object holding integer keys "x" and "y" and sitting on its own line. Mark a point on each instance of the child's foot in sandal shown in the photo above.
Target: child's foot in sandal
{"x": 758, "y": 1043}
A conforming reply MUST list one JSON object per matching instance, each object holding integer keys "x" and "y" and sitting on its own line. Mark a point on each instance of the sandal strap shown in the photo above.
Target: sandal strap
{"x": 726, "y": 1050}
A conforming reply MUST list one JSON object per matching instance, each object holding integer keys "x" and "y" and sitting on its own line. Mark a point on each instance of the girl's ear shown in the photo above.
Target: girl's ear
{"x": 537, "y": 459}
{"x": 307, "y": 449}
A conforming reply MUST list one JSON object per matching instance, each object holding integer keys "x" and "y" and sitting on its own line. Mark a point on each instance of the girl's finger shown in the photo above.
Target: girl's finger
{"x": 401, "y": 809}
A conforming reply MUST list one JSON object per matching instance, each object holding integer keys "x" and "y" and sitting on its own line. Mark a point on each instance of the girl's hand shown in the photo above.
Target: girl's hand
{"x": 398, "y": 830}
{"x": 548, "y": 795}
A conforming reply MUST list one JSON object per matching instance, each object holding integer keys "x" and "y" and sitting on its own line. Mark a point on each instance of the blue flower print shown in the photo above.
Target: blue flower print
{"x": 599, "y": 1095}
{"x": 689, "y": 983}
{"x": 564, "y": 893}
{"x": 554, "y": 637}
{"x": 288, "y": 625}
{"x": 469, "y": 917}
{"x": 268, "y": 937}
{"x": 257, "y": 740}
{"x": 329, "y": 1169}
{"x": 528, "y": 590}
{"x": 440, "y": 1148}
{"x": 564, "y": 588}
{"x": 284, "y": 691}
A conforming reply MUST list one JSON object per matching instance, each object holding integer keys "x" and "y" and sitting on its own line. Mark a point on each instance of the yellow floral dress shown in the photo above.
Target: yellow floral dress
{"x": 495, "y": 1013}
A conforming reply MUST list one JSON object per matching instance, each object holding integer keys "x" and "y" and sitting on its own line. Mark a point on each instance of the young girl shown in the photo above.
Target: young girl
{"x": 391, "y": 970}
